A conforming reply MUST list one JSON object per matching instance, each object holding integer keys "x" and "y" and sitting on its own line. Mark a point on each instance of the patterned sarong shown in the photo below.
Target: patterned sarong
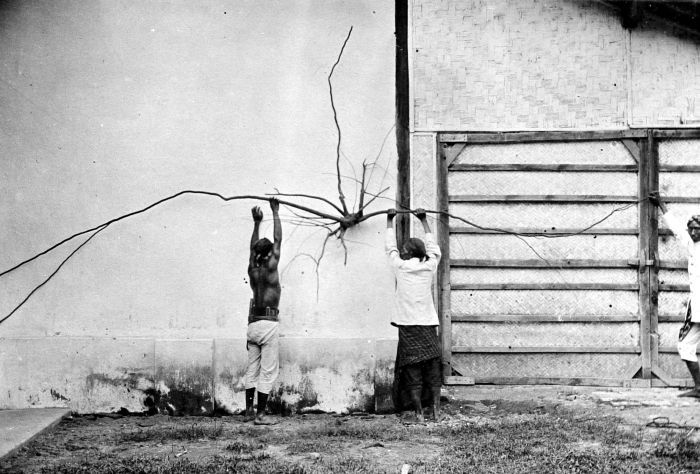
{"x": 685, "y": 329}
{"x": 416, "y": 344}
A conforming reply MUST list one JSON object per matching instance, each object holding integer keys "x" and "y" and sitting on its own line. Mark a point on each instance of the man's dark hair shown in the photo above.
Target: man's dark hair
{"x": 416, "y": 249}
{"x": 262, "y": 247}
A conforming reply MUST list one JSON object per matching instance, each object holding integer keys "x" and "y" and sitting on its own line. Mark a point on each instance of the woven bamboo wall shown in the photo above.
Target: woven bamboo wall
{"x": 533, "y": 64}
{"x": 516, "y": 64}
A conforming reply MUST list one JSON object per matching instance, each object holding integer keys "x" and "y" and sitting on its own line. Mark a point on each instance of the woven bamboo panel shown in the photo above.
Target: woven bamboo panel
{"x": 423, "y": 169}
{"x": 543, "y": 216}
{"x": 681, "y": 184}
{"x": 665, "y": 76}
{"x": 545, "y": 334}
{"x": 608, "y": 152}
{"x": 673, "y": 277}
{"x": 673, "y": 366}
{"x": 668, "y": 333}
{"x": 679, "y": 152}
{"x": 560, "y": 302}
{"x": 539, "y": 182}
{"x": 545, "y": 365}
{"x": 571, "y": 276}
{"x": 577, "y": 247}
{"x": 673, "y": 302}
{"x": 514, "y": 64}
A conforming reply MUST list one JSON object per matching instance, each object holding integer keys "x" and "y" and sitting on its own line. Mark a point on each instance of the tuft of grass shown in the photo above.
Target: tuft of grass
{"x": 245, "y": 446}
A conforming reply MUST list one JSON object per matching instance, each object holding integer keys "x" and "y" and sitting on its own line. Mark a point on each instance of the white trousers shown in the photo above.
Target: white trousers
{"x": 263, "y": 355}
{"x": 688, "y": 346}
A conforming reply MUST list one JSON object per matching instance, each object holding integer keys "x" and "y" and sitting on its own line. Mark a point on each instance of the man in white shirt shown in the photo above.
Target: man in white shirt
{"x": 418, "y": 353}
{"x": 689, "y": 336}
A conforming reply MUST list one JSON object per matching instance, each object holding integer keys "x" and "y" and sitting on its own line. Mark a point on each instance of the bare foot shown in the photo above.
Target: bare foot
{"x": 265, "y": 420}
{"x": 694, "y": 393}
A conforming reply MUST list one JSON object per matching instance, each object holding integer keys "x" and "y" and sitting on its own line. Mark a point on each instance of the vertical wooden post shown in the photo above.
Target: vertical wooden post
{"x": 644, "y": 300}
{"x": 653, "y": 152}
{"x": 403, "y": 135}
{"x": 444, "y": 269}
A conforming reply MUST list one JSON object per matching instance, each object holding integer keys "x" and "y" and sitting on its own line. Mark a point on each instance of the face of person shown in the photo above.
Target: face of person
{"x": 694, "y": 231}
{"x": 405, "y": 254}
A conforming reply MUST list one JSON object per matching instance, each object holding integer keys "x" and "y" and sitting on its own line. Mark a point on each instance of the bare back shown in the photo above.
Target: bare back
{"x": 265, "y": 282}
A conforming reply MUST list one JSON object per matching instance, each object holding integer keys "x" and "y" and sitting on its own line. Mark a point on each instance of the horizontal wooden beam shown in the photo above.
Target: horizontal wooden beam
{"x": 548, "y": 264}
{"x": 664, "y": 349}
{"x": 548, "y": 231}
{"x": 677, "y": 133}
{"x": 547, "y": 350}
{"x": 674, "y": 288}
{"x": 537, "y": 167}
{"x": 544, "y": 318}
{"x": 673, "y": 264}
{"x": 546, "y": 198}
{"x": 671, "y": 318}
{"x": 537, "y": 136}
{"x": 458, "y": 380}
{"x": 679, "y": 168}
{"x": 682, "y": 199}
{"x": 576, "y": 381}
{"x": 546, "y": 286}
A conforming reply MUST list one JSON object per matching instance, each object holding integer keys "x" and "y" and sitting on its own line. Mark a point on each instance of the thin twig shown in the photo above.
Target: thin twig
{"x": 341, "y": 196}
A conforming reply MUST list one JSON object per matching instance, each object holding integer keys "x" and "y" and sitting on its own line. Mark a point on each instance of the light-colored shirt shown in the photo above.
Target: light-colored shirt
{"x": 679, "y": 227}
{"x": 413, "y": 296}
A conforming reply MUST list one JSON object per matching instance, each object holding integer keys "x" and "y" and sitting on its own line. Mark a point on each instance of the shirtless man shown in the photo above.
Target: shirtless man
{"x": 263, "y": 325}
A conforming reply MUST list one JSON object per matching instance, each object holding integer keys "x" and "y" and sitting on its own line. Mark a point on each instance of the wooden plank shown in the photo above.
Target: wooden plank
{"x": 674, "y": 264}
{"x": 551, "y": 198}
{"x": 672, "y": 287}
{"x": 644, "y": 298}
{"x": 670, "y": 349}
{"x": 536, "y": 263}
{"x": 443, "y": 277}
{"x": 679, "y": 168}
{"x": 671, "y": 318}
{"x": 452, "y": 152}
{"x": 536, "y": 167}
{"x": 633, "y": 147}
{"x": 673, "y": 382}
{"x": 575, "y": 381}
{"x": 653, "y": 222}
{"x": 557, "y": 231}
{"x": 678, "y": 133}
{"x": 546, "y": 349}
{"x": 543, "y": 136}
{"x": 454, "y": 380}
{"x": 546, "y": 286}
{"x": 682, "y": 199}
{"x": 543, "y": 318}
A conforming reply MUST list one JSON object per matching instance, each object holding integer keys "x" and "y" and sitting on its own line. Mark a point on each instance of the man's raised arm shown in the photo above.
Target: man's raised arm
{"x": 257, "y": 218}
{"x": 277, "y": 246}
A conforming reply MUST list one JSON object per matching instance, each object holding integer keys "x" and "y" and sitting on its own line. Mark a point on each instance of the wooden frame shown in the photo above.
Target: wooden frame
{"x": 643, "y": 145}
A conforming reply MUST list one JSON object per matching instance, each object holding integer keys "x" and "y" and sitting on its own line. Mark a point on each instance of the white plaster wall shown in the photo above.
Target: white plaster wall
{"x": 109, "y": 106}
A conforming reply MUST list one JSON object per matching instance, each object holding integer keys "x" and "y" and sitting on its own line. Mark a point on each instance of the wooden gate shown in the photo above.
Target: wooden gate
{"x": 554, "y": 272}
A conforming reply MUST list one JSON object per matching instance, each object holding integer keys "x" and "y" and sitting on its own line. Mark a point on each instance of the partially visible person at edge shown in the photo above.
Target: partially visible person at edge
{"x": 689, "y": 336}
{"x": 414, "y": 313}
{"x": 263, "y": 316}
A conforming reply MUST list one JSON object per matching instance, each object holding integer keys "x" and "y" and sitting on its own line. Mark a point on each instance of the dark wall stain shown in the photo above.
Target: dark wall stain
{"x": 383, "y": 385}
{"x": 189, "y": 390}
{"x": 57, "y": 396}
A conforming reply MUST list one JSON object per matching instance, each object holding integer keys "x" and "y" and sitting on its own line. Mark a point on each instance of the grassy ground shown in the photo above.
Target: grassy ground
{"x": 476, "y": 437}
